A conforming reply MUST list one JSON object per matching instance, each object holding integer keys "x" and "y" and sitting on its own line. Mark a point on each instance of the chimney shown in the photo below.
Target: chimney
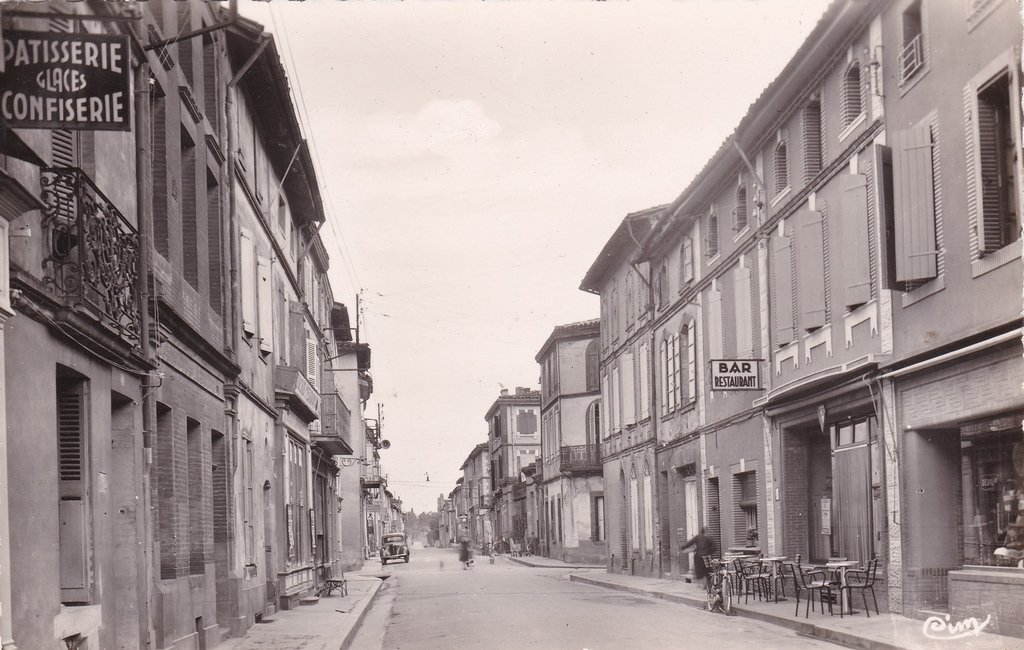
{"x": 504, "y": 392}
{"x": 522, "y": 391}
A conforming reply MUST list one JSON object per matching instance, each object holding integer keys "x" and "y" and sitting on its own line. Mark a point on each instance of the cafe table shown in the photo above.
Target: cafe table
{"x": 775, "y": 561}
{"x": 843, "y": 591}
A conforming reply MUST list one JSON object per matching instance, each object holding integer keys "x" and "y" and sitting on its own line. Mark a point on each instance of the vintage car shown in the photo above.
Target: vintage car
{"x": 394, "y": 546}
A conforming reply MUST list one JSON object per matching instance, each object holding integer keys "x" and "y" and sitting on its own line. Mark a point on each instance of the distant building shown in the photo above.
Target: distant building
{"x": 571, "y": 489}
{"x": 476, "y": 485}
{"x": 513, "y": 443}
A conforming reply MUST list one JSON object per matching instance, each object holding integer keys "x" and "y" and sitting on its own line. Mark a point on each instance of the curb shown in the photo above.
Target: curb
{"x": 807, "y": 629}
{"x": 363, "y": 606}
{"x": 521, "y": 561}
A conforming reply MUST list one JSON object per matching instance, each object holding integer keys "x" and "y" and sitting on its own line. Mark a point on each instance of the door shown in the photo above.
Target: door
{"x": 692, "y": 518}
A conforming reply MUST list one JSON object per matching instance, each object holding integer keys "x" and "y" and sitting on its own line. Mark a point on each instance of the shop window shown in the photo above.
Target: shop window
{"x": 993, "y": 492}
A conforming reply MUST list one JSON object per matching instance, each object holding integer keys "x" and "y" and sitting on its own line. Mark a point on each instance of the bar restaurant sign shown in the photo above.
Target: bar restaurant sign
{"x": 736, "y": 374}
{"x": 65, "y": 81}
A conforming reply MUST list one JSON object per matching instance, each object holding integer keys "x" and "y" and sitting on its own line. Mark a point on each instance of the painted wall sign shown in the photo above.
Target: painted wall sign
{"x": 826, "y": 516}
{"x": 65, "y": 81}
{"x": 735, "y": 374}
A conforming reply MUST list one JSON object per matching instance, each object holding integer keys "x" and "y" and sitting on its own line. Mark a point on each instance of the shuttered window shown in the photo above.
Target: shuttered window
{"x": 247, "y": 277}
{"x": 597, "y": 531}
{"x": 614, "y": 408}
{"x": 853, "y": 233}
{"x": 648, "y": 511}
{"x": 913, "y": 181}
{"x": 312, "y": 362}
{"x": 999, "y": 222}
{"x": 645, "y": 381}
{"x": 742, "y": 311}
{"x": 605, "y": 399}
{"x": 593, "y": 360}
{"x": 687, "y": 259}
{"x": 711, "y": 239}
{"x": 782, "y": 289}
{"x": 634, "y": 513}
{"x": 628, "y": 390}
{"x": 689, "y": 347}
{"x": 739, "y": 213}
{"x": 74, "y": 536}
{"x": 810, "y": 269}
{"x": 714, "y": 331}
{"x": 265, "y": 304}
{"x": 664, "y": 378}
{"x": 851, "y": 102}
{"x": 780, "y": 167}
{"x": 811, "y": 131}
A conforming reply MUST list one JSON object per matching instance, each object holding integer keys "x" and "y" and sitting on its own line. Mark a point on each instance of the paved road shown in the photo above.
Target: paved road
{"x": 433, "y": 603}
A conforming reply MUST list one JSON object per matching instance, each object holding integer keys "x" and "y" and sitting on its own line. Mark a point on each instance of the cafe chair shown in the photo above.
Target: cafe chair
{"x": 751, "y": 579}
{"x": 809, "y": 582}
{"x": 863, "y": 580}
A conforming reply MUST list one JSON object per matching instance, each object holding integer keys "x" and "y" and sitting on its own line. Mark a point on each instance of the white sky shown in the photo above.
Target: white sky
{"x": 474, "y": 157}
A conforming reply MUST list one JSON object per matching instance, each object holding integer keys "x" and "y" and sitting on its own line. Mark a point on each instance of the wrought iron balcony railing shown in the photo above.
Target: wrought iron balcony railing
{"x": 335, "y": 425}
{"x": 911, "y": 58}
{"x": 92, "y": 251}
{"x": 580, "y": 458}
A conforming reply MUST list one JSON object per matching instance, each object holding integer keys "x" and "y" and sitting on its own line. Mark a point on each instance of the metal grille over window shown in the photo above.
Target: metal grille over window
{"x": 912, "y": 54}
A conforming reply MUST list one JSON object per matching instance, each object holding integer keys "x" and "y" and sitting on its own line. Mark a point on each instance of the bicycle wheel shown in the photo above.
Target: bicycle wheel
{"x": 726, "y": 596}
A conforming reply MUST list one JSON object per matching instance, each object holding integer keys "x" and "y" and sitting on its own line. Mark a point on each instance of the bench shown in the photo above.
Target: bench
{"x": 330, "y": 582}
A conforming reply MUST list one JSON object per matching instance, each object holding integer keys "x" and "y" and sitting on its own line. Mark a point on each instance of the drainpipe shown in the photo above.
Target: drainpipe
{"x": 144, "y": 218}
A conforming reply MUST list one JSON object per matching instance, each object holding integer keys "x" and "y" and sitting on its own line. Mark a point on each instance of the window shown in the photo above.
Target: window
{"x": 711, "y": 239}
{"x": 991, "y": 491}
{"x": 686, "y": 256}
{"x": 912, "y": 54}
{"x": 75, "y": 538}
{"x": 670, "y": 374}
{"x": 593, "y": 360}
{"x": 616, "y": 325}
{"x": 247, "y": 273}
{"x": 648, "y": 511}
{"x": 265, "y": 305}
{"x": 189, "y": 223}
{"x": 812, "y": 140}
{"x": 213, "y": 242}
{"x": 597, "y": 533}
{"x": 526, "y": 422}
{"x": 630, "y": 297}
{"x": 998, "y": 223}
{"x": 810, "y": 267}
{"x": 198, "y": 464}
{"x": 210, "y": 81}
{"x": 296, "y": 504}
{"x": 593, "y": 422}
{"x": 662, "y": 286}
{"x": 851, "y": 103}
{"x": 739, "y": 213}
{"x": 689, "y": 346}
{"x": 782, "y": 289}
{"x": 312, "y": 361}
{"x": 644, "y": 384}
{"x": 850, "y": 433}
{"x": 780, "y": 167}
{"x": 634, "y": 511}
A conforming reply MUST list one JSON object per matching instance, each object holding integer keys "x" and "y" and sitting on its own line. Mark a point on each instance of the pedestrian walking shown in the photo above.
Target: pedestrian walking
{"x": 703, "y": 546}
{"x": 464, "y": 554}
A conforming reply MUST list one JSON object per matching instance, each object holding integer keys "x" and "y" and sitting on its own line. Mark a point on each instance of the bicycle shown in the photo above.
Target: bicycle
{"x": 719, "y": 586}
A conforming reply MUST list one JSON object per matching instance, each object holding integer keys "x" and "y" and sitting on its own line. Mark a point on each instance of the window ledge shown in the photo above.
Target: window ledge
{"x": 922, "y": 292}
{"x": 981, "y": 13}
{"x": 852, "y": 126}
{"x": 741, "y": 232}
{"x": 920, "y": 74}
{"x": 714, "y": 258}
{"x": 781, "y": 195}
{"x": 993, "y": 261}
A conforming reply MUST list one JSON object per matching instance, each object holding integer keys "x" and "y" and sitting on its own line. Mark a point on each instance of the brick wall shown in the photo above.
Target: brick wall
{"x": 795, "y": 524}
{"x": 988, "y": 591}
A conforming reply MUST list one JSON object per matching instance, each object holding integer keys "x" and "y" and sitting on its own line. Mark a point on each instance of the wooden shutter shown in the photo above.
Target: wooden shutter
{"x": 265, "y": 304}
{"x": 73, "y": 535}
{"x": 690, "y": 344}
{"x": 742, "y": 311}
{"x": 811, "y": 124}
{"x": 853, "y": 236}
{"x": 664, "y": 377}
{"x": 887, "y": 223}
{"x": 992, "y": 191}
{"x": 687, "y": 259}
{"x": 714, "y": 333}
{"x": 712, "y": 237}
{"x": 312, "y": 362}
{"x": 628, "y": 390}
{"x": 605, "y": 399}
{"x": 246, "y": 273}
{"x": 810, "y": 268}
{"x": 645, "y": 381}
{"x": 782, "y": 289}
{"x": 914, "y": 235}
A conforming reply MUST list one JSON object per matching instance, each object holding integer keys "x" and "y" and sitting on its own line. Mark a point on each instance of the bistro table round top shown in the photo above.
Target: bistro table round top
{"x": 844, "y": 563}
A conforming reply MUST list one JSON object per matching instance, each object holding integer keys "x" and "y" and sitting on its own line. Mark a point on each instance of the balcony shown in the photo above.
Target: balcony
{"x": 371, "y": 477}
{"x": 292, "y": 389}
{"x": 580, "y": 459}
{"x": 335, "y": 434}
{"x": 519, "y": 490}
{"x": 92, "y": 252}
